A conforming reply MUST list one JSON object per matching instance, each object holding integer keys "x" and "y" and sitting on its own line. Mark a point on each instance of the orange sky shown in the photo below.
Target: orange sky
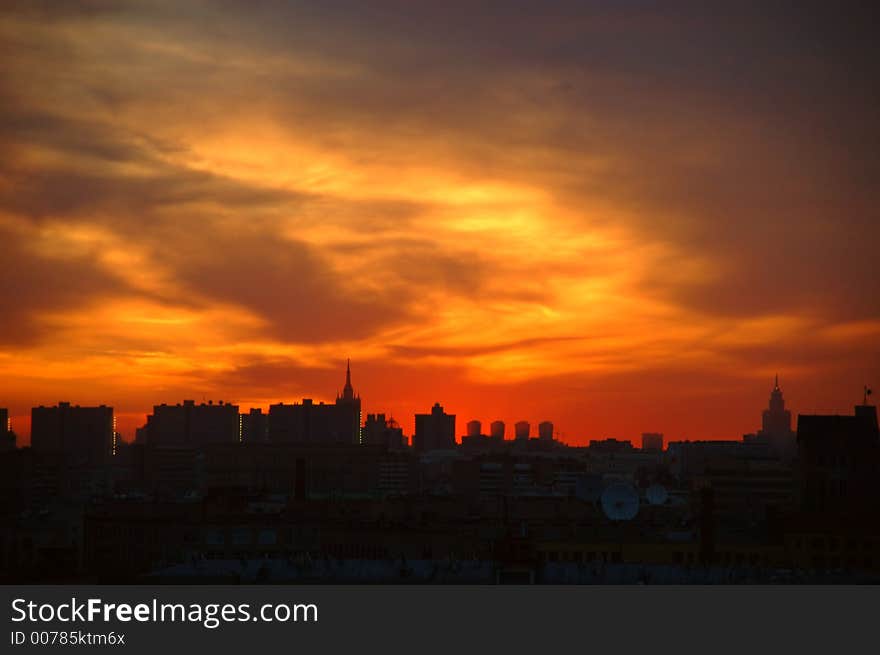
{"x": 619, "y": 220}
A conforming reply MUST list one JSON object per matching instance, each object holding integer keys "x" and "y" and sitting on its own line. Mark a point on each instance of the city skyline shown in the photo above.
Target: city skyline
{"x": 208, "y": 494}
{"x": 620, "y": 219}
{"x": 775, "y": 417}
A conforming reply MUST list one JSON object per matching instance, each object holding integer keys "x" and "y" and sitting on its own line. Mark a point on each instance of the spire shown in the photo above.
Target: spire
{"x": 348, "y": 391}
{"x": 777, "y": 404}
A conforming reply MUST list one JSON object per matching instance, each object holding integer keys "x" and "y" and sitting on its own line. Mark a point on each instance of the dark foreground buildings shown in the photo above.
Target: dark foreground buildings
{"x": 434, "y": 431}
{"x": 207, "y": 494}
{"x": 838, "y": 463}
{"x": 84, "y": 432}
{"x": 190, "y": 425}
{"x": 308, "y": 422}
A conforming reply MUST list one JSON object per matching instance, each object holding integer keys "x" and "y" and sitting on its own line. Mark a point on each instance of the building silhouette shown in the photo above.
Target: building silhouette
{"x": 192, "y": 425}
{"x": 839, "y": 461}
{"x": 379, "y": 431}
{"x": 89, "y": 433}
{"x": 652, "y": 441}
{"x": 474, "y": 440}
{"x": 254, "y": 426}
{"x": 434, "y": 431}
{"x": 305, "y": 494}
{"x": 349, "y": 408}
{"x": 776, "y": 425}
{"x": 545, "y": 431}
{"x": 7, "y": 437}
{"x": 611, "y": 445}
{"x": 310, "y": 422}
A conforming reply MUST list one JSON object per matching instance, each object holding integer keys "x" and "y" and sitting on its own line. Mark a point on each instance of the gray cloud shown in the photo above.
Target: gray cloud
{"x": 745, "y": 137}
{"x": 31, "y": 285}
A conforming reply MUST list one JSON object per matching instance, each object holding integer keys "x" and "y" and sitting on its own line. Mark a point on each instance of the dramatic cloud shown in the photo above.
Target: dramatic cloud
{"x": 599, "y": 215}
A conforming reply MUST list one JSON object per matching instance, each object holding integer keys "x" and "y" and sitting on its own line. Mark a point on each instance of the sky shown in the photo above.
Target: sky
{"x": 621, "y": 217}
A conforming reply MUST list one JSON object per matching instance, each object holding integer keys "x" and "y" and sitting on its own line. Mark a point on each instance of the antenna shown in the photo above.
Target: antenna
{"x": 620, "y": 501}
{"x": 657, "y": 494}
{"x": 868, "y": 392}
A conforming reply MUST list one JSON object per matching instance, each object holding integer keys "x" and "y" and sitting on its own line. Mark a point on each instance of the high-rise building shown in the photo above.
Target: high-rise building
{"x": 521, "y": 430}
{"x": 379, "y": 431}
{"x": 496, "y": 430}
{"x": 192, "y": 425}
{"x": 298, "y": 422}
{"x": 254, "y": 426}
{"x": 474, "y": 428}
{"x": 545, "y": 430}
{"x": 310, "y": 422}
{"x": 839, "y": 461}
{"x": 434, "y": 431}
{"x": 652, "y": 441}
{"x": 86, "y": 432}
{"x": 776, "y": 425}
{"x": 348, "y": 411}
{"x": 7, "y": 438}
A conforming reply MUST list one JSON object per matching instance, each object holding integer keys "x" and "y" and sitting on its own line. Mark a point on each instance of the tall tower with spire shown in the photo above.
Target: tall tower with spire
{"x": 776, "y": 424}
{"x": 349, "y": 409}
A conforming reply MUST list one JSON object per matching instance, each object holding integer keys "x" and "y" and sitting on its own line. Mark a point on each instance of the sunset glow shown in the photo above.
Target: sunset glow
{"x": 226, "y": 202}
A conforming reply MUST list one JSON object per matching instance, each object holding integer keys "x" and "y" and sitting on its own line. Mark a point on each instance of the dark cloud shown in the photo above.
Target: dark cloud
{"x": 413, "y": 352}
{"x": 166, "y": 210}
{"x": 87, "y": 177}
{"x": 284, "y": 281}
{"x": 32, "y": 285}
{"x": 741, "y": 135}
{"x": 278, "y": 379}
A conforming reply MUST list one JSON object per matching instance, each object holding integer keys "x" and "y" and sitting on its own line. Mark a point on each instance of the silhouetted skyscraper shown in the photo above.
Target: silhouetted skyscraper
{"x": 434, "y": 431}
{"x": 839, "y": 461}
{"x": 7, "y": 438}
{"x": 88, "y": 432}
{"x": 254, "y": 426}
{"x": 496, "y": 430}
{"x": 349, "y": 412}
{"x": 188, "y": 424}
{"x": 545, "y": 430}
{"x": 309, "y": 422}
{"x": 776, "y": 425}
{"x": 381, "y": 432}
{"x": 652, "y": 441}
{"x": 521, "y": 430}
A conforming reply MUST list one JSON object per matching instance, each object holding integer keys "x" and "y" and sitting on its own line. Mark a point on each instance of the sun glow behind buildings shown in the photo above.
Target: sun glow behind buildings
{"x": 190, "y": 215}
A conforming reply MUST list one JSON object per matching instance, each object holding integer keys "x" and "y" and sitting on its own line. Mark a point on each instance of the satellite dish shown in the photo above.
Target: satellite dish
{"x": 657, "y": 494}
{"x": 620, "y": 502}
